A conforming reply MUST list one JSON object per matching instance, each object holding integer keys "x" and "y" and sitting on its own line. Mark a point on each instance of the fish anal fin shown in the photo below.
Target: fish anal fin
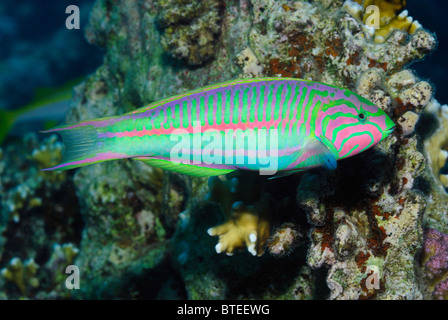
{"x": 190, "y": 169}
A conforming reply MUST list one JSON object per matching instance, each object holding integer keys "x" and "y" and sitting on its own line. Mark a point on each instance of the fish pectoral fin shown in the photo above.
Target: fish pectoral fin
{"x": 190, "y": 169}
{"x": 316, "y": 153}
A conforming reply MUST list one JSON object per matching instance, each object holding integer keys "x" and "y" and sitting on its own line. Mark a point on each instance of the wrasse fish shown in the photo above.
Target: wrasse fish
{"x": 271, "y": 124}
{"x": 47, "y": 109}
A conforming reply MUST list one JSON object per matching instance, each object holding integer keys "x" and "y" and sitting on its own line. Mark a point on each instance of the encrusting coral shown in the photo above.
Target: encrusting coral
{"x": 190, "y": 28}
{"x": 435, "y": 262}
{"x": 284, "y": 239}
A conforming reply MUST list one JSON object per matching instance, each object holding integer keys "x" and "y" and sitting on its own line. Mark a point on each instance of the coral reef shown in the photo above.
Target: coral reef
{"x": 249, "y": 64}
{"x": 355, "y": 224}
{"x": 208, "y": 275}
{"x": 21, "y": 194}
{"x": 21, "y": 274}
{"x": 352, "y": 233}
{"x": 433, "y": 127}
{"x": 284, "y": 239}
{"x": 190, "y": 28}
{"x": 436, "y": 143}
{"x": 61, "y": 257}
{"x": 435, "y": 261}
{"x": 36, "y": 211}
{"x": 129, "y": 217}
{"x": 41, "y": 282}
{"x": 390, "y": 14}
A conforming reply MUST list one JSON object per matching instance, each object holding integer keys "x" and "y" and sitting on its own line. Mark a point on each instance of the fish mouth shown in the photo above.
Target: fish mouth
{"x": 388, "y": 131}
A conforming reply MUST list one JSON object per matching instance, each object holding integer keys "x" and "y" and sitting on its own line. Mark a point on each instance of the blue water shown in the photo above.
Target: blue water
{"x": 37, "y": 50}
{"x": 432, "y": 14}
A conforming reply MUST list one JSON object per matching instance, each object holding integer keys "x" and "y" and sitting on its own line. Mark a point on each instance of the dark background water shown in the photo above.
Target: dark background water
{"x": 38, "y": 51}
{"x": 433, "y": 15}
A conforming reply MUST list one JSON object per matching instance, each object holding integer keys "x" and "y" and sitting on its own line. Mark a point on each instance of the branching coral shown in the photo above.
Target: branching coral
{"x": 61, "y": 257}
{"x": 34, "y": 211}
{"x": 390, "y": 14}
{"x": 246, "y": 226}
{"x": 20, "y": 189}
{"x": 29, "y": 277}
{"x": 21, "y": 274}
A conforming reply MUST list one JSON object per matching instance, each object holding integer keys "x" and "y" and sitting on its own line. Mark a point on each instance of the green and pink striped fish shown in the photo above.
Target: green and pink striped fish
{"x": 276, "y": 124}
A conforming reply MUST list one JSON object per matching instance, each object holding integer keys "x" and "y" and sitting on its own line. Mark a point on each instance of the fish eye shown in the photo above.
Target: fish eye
{"x": 362, "y": 116}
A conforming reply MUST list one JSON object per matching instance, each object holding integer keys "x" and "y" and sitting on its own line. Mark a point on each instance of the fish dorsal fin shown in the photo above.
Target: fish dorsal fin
{"x": 190, "y": 169}
{"x": 316, "y": 153}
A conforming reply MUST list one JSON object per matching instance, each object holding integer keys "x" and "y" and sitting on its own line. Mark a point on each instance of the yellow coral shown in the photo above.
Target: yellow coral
{"x": 247, "y": 227}
{"x": 401, "y": 22}
{"x": 22, "y": 274}
{"x": 388, "y": 8}
{"x": 389, "y": 18}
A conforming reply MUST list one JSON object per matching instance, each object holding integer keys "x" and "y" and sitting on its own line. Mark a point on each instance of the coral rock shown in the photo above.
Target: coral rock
{"x": 407, "y": 122}
{"x": 435, "y": 261}
{"x": 284, "y": 239}
{"x": 190, "y": 28}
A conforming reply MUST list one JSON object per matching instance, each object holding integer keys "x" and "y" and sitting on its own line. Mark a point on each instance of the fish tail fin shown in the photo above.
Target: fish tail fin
{"x": 83, "y": 146}
{"x": 6, "y": 122}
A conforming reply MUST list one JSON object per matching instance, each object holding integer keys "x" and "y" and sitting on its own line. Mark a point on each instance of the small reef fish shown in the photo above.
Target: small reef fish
{"x": 47, "y": 109}
{"x": 297, "y": 124}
